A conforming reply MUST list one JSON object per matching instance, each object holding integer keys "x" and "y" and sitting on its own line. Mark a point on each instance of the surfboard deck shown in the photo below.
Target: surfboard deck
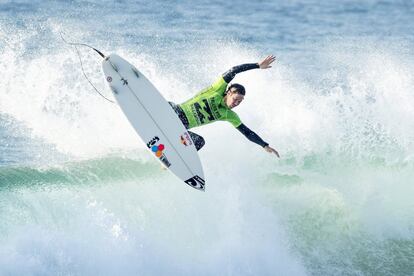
{"x": 154, "y": 120}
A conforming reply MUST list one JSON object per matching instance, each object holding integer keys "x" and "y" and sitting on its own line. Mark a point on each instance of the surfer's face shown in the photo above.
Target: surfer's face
{"x": 233, "y": 99}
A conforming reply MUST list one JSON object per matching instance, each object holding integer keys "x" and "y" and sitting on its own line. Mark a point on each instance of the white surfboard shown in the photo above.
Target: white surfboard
{"x": 154, "y": 120}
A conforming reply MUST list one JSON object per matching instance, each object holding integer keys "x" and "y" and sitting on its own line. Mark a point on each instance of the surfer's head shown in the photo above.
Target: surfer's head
{"x": 234, "y": 95}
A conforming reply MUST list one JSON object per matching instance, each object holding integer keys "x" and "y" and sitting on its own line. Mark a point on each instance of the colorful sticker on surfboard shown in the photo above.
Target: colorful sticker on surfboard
{"x": 157, "y": 149}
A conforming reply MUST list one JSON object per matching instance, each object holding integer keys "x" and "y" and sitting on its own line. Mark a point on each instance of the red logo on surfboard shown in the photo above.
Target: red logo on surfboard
{"x": 185, "y": 139}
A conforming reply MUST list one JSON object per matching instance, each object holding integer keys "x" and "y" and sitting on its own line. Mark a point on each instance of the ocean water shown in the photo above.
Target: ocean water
{"x": 80, "y": 195}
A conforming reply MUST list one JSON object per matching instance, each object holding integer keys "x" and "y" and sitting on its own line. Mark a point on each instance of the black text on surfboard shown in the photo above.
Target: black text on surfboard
{"x": 153, "y": 141}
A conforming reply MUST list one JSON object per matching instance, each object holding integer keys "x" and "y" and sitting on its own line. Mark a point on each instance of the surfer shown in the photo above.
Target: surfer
{"x": 215, "y": 103}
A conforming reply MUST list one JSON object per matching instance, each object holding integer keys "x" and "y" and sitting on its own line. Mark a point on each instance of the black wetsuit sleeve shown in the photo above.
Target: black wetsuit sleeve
{"x": 251, "y": 135}
{"x": 230, "y": 74}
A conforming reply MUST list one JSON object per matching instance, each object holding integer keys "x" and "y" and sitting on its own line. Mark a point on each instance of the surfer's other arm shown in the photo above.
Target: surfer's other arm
{"x": 264, "y": 64}
{"x": 253, "y": 137}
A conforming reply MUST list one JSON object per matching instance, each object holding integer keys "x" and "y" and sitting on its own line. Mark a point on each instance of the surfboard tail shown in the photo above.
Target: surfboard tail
{"x": 196, "y": 182}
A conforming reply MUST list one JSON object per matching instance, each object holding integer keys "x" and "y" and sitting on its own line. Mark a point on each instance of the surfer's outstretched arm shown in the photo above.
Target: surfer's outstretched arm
{"x": 252, "y": 136}
{"x": 264, "y": 64}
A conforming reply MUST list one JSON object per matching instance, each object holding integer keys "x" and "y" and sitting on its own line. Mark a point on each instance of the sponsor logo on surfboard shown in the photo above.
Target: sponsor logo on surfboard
{"x": 196, "y": 182}
{"x": 185, "y": 139}
{"x": 124, "y": 81}
{"x": 153, "y": 141}
{"x": 158, "y": 150}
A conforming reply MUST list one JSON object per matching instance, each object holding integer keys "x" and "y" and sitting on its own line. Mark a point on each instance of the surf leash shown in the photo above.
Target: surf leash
{"x": 74, "y": 44}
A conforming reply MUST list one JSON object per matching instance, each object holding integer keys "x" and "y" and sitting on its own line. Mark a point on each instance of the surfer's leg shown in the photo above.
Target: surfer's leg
{"x": 180, "y": 113}
{"x": 198, "y": 140}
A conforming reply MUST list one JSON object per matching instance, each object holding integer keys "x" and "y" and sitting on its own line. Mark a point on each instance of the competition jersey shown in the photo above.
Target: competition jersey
{"x": 209, "y": 106}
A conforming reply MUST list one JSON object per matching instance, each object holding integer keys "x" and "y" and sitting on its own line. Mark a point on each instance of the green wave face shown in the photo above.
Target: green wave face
{"x": 116, "y": 214}
{"x": 338, "y": 217}
{"x": 88, "y": 172}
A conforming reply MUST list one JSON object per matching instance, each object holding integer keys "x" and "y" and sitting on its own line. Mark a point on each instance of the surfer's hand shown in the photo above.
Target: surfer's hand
{"x": 264, "y": 64}
{"x": 271, "y": 150}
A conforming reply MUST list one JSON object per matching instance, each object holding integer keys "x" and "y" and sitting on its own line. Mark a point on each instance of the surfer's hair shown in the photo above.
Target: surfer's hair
{"x": 237, "y": 88}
